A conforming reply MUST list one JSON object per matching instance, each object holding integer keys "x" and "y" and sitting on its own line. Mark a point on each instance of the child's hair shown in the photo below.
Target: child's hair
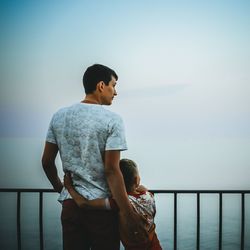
{"x": 129, "y": 171}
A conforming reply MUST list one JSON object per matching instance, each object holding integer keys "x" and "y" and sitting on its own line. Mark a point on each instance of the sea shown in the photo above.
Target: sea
{"x": 20, "y": 167}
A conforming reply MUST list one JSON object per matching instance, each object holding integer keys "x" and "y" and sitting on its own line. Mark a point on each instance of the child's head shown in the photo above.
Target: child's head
{"x": 130, "y": 174}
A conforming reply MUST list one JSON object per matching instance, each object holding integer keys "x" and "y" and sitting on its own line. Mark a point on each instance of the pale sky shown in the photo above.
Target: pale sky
{"x": 183, "y": 88}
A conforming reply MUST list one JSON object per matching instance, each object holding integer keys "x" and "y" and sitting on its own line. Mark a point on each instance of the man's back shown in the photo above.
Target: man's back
{"x": 83, "y": 132}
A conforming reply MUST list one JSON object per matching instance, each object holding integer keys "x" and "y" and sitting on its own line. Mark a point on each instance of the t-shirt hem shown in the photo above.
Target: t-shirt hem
{"x": 51, "y": 141}
{"x": 119, "y": 149}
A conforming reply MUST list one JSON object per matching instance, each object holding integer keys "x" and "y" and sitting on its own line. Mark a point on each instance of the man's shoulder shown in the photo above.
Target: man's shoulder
{"x": 59, "y": 113}
{"x": 107, "y": 116}
{"x": 112, "y": 114}
{"x": 104, "y": 114}
{"x": 66, "y": 108}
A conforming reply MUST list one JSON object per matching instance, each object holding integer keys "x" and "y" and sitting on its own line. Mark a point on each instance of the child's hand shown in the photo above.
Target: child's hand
{"x": 67, "y": 181}
{"x": 81, "y": 201}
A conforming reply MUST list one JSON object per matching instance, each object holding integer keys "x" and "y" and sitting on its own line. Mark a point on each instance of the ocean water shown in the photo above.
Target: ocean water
{"x": 186, "y": 225}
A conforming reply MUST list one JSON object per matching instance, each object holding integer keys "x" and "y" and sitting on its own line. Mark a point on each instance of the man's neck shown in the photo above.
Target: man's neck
{"x": 91, "y": 99}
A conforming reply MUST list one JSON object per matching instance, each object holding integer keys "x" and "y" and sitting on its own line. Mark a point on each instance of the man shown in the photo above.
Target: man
{"x": 89, "y": 139}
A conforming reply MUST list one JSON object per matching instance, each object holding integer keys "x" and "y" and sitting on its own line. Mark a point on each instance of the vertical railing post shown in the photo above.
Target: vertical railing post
{"x": 242, "y": 221}
{"x": 220, "y": 220}
{"x": 175, "y": 220}
{"x": 198, "y": 223}
{"x": 41, "y": 219}
{"x": 18, "y": 217}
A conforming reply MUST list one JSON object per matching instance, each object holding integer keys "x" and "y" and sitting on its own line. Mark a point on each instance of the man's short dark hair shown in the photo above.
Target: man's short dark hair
{"x": 95, "y": 74}
{"x": 129, "y": 171}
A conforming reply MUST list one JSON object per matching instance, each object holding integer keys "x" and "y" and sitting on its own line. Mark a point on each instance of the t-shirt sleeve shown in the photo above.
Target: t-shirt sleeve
{"x": 116, "y": 138}
{"x": 50, "y": 137}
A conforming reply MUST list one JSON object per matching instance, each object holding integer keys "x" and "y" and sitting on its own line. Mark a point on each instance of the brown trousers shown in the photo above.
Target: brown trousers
{"x": 89, "y": 229}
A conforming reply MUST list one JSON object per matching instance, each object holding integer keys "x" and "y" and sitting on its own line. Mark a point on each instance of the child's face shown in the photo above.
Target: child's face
{"x": 137, "y": 180}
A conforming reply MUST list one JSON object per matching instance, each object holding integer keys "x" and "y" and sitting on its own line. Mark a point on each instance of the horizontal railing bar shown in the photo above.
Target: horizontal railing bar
{"x": 28, "y": 190}
{"x": 200, "y": 191}
{"x": 48, "y": 190}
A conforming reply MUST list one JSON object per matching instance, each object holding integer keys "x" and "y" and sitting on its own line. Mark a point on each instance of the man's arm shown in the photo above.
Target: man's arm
{"x": 116, "y": 181}
{"x": 49, "y": 166}
{"x": 131, "y": 224}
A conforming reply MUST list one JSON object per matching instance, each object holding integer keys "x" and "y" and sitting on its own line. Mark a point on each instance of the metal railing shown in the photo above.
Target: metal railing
{"x": 220, "y": 193}
{"x": 175, "y": 192}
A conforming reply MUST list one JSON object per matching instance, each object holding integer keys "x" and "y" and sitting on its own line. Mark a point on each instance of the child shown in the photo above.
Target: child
{"x": 140, "y": 198}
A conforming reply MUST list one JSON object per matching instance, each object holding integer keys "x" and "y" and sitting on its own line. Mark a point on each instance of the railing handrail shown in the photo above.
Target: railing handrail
{"x": 32, "y": 190}
{"x": 226, "y": 191}
{"x": 156, "y": 191}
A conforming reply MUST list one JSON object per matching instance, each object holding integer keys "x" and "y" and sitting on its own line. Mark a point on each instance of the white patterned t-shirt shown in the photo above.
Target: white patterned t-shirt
{"x": 83, "y": 132}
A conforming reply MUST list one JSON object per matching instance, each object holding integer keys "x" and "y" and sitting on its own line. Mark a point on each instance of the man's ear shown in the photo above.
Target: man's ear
{"x": 100, "y": 86}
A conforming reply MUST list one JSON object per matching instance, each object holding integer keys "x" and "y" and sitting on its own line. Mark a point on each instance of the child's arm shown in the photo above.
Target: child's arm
{"x": 81, "y": 201}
